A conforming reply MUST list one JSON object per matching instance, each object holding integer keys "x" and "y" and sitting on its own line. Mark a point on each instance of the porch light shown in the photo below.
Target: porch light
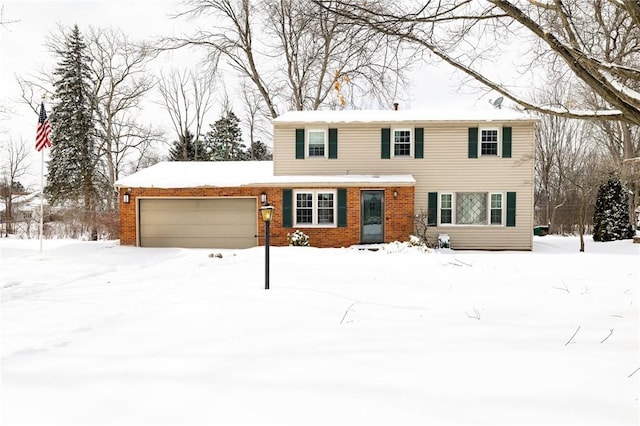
{"x": 267, "y": 215}
{"x": 126, "y": 198}
{"x": 395, "y": 194}
{"x": 263, "y": 198}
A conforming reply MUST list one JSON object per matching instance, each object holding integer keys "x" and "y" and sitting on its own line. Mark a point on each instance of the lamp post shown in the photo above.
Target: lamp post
{"x": 267, "y": 214}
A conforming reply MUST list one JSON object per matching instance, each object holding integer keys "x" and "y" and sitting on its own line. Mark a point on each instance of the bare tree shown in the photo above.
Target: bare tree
{"x": 187, "y": 98}
{"x": 14, "y": 165}
{"x": 293, "y": 52}
{"x": 121, "y": 82}
{"x": 594, "y": 41}
{"x": 255, "y": 120}
{"x": 4, "y": 21}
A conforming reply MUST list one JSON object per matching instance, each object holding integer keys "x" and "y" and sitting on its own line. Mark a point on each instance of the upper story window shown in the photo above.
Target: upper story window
{"x": 489, "y": 142}
{"x": 401, "y": 142}
{"x": 316, "y": 143}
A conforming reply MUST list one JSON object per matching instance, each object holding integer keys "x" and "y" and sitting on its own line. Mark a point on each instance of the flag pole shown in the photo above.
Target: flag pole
{"x": 41, "y": 197}
{"x": 42, "y": 142}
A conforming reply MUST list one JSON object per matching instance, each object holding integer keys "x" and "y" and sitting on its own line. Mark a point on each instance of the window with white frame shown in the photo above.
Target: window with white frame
{"x": 496, "y": 209}
{"x": 471, "y": 208}
{"x": 315, "y": 208}
{"x": 489, "y": 142}
{"x": 316, "y": 143}
{"x": 401, "y": 142}
{"x": 304, "y": 208}
{"x": 446, "y": 208}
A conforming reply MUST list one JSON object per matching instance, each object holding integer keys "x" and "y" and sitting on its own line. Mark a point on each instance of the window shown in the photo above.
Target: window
{"x": 325, "y": 208}
{"x": 315, "y": 208}
{"x": 316, "y": 142}
{"x": 446, "y": 208}
{"x": 489, "y": 142}
{"x": 471, "y": 208}
{"x": 304, "y": 208}
{"x": 496, "y": 209}
{"x": 402, "y": 143}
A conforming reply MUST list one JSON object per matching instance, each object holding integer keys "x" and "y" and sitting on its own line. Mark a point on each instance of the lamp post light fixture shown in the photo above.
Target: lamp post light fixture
{"x": 267, "y": 215}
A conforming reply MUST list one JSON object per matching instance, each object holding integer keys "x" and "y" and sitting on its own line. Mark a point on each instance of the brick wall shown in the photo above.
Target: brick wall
{"x": 398, "y": 214}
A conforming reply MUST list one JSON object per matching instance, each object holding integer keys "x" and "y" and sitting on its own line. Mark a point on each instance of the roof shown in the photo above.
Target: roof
{"x": 195, "y": 174}
{"x": 405, "y": 116}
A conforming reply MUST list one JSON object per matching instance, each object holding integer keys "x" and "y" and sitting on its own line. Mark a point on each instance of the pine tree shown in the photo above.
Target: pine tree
{"x": 224, "y": 140}
{"x": 188, "y": 149}
{"x": 259, "y": 152}
{"x": 611, "y": 216}
{"x": 73, "y": 165}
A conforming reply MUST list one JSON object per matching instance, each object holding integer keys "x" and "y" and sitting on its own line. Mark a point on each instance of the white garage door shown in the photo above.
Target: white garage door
{"x": 198, "y": 223}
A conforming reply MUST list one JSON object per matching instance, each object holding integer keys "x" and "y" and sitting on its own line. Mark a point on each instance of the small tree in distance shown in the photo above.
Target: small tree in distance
{"x": 611, "y": 216}
{"x": 224, "y": 140}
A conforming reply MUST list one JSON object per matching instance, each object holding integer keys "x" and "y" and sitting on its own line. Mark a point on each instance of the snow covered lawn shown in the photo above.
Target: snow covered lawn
{"x": 93, "y": 333}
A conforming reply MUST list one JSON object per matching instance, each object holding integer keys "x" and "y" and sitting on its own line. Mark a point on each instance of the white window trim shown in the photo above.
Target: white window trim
{"x": 488, "y": 204}
{"x": 326, "y": 143}
{"x": 502, "y": 208}
{"x": 314, "y": 208}
{"x": 453, "y": 208}
{"x": 499, "y": 145}
{"x": 393, "y": 142}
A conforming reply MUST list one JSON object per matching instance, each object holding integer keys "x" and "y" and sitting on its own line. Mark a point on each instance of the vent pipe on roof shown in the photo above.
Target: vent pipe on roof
{"x": 395, "y": 106}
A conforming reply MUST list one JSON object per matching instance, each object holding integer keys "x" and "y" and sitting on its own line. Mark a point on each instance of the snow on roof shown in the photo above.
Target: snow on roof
{"x": 384, "y": 116}
{"x": 194, "y": 174}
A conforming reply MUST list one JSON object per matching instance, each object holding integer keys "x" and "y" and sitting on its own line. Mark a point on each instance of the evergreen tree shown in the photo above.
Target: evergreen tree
{"x": 224, "y": 140}
{"x": 259, "y": 152}
{"x": 611, "y": 216}
{"x": 188, "y": 149}
{"x": 73, "y": 164}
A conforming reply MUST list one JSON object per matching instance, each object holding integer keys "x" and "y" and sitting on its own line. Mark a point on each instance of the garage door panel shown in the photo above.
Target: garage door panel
{"x": 199, "y": 223}
{"x": 199, "y": 231}
{"x": 230, "y": 243}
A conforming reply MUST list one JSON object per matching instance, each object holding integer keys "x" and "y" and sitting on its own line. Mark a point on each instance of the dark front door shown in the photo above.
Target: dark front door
{"x": 372, "y": 216}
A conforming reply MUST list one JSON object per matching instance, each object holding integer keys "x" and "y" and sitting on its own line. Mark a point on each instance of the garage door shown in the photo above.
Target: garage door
{"x": 198, "y": 223}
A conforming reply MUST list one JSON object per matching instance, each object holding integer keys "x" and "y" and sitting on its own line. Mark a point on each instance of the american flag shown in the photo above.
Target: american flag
{"x": 44, "y": 129}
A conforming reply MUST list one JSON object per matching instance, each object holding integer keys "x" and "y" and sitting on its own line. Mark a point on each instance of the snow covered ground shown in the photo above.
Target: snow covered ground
{"x": 93, "y": 333}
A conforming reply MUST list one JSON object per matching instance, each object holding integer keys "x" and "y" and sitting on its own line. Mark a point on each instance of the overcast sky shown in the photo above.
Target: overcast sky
{"x": 22, "y": 51}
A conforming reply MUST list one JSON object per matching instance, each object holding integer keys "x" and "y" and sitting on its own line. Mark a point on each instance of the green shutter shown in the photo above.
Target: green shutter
{"x": 299, "y": 144}
{"x": 386, "y": 144}
{"x": 432, "y": 209}
{"x": 342, "y": 207}
{"x": 511, "y": 209}
{"x": 287, "y": 208}
{"x": 506, "y": 142}
{"x": 473, "y": 142}
{"x": 333, "y": 143}
{"x": 419, "y": 142}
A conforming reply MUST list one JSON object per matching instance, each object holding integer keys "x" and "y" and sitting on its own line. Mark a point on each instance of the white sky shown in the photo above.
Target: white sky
{"x": 22, "y": 52}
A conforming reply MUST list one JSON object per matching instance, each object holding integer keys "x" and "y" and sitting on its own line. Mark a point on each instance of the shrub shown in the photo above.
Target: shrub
{"x": 298, "y": 238}
{"x": 611, "y": 218}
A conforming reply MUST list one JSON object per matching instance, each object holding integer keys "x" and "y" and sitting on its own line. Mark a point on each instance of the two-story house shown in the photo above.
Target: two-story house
{"x": 350, "y": 177}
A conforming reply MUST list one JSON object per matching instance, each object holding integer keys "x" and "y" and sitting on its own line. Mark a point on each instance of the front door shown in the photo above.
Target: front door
{"x": 371, "y": 216}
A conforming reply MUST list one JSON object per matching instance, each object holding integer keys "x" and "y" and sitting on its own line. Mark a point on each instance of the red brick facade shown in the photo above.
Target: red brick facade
{"x": 398, "y": 223}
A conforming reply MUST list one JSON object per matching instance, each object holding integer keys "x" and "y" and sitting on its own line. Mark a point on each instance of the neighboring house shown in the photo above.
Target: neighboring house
{"x": 350, "y": 177}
